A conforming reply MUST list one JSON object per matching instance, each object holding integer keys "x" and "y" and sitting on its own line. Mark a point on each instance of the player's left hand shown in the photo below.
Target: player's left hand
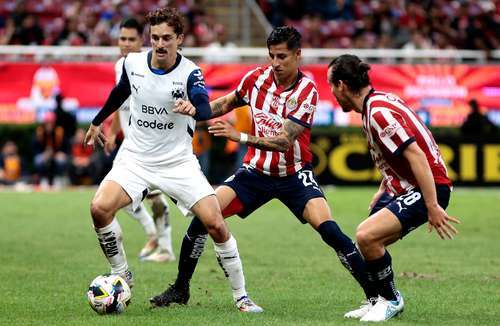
{"x": 184, "y": 107}
{"x": 224, "y": 129}
{"x": 440, "y": 220}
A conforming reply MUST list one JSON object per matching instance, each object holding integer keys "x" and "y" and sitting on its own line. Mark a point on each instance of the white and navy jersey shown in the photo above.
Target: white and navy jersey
{"x": 157, "y": 135}
{"x": 124, "y": 111}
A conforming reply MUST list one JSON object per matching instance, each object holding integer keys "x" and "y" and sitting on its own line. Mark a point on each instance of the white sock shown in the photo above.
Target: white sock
{"x": 229, "y": 259}
{"x": 111, "y": 241}
{"x": 142, "y": 215}
{"x": 165, "y": 239}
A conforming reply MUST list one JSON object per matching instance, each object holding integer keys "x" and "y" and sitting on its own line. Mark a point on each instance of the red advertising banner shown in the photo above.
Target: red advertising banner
{"x": 439, "y": 93}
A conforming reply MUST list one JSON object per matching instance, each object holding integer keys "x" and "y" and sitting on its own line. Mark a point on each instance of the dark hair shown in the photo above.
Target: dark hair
{"x": 351, "y": 70}
{"x": 132, "y": 23}
{"x": 285, "y": 34}
{"x": 168, "y": 15}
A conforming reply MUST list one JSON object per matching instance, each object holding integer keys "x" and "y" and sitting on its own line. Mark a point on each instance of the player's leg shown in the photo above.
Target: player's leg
{"x": 226, "y": 250}
{"x": 317, "y": 214}
{"x": 109, "y": 198}
{"x": 373, "y": 235}
{"x": 142, "y": 216}
{"x": 193, "y": 245}
{"x": 161, "y": 215}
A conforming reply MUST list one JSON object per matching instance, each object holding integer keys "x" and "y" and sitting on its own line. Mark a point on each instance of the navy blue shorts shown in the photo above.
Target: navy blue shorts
{"x": 254, "y": 189}
{"x": 410, "y": 208}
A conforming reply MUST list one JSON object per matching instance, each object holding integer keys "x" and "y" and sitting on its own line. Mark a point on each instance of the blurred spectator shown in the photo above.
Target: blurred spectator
{"x": 51, "y": 151}
{"x": 220, "y": 50}
{"x": 10, "y": 164}
{"x": 242, "y": 123}
{"x": 65, "y": 119}
{"x": 29, "y": 32}
{"x": 476, "y": 123}
{"x": 84, "y": 168}
{"x": 202, "y": 143}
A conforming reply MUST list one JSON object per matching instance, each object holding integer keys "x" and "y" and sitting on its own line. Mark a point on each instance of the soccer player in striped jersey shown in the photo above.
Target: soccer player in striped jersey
{"x": 415, "y": 188}
{"x": 157, "y": 152}
{"x": 278, "y": 162}
{"x": 158, "y": 248}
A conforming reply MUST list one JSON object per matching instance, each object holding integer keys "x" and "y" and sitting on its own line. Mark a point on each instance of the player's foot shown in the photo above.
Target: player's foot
{"x": 245, "y": 304}
{"x": 159, "y": 256}
{"x": 148, "y": 248}
{"x": 128, "y": 277}
{"x": 174, "y": 294}
{"x": 384, "y": 309}
{"x": 361, "y": 311}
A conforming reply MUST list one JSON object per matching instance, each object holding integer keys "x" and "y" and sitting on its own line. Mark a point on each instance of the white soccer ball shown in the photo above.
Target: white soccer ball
{"x": 109, "y": 294}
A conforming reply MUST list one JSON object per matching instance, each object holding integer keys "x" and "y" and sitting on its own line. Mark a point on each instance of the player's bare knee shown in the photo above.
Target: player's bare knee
{"x": 217, "y": 230}
{"x": 100, "y": 213}
{"x": 364, "y": 238}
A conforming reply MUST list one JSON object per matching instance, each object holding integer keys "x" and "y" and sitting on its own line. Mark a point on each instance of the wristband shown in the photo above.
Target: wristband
{"x": 243, "y": 138}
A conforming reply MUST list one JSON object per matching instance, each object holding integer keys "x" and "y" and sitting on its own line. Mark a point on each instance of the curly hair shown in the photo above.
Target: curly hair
{"x": 171, "y": 16}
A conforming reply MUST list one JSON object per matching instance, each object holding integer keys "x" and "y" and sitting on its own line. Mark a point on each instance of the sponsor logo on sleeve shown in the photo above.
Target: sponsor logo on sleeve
{"x": 390, "y": 130}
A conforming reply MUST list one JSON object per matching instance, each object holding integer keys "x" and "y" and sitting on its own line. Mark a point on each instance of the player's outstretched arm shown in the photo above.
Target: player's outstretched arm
{"x": 438, "y": 218}
{"x": 280, "y": 143}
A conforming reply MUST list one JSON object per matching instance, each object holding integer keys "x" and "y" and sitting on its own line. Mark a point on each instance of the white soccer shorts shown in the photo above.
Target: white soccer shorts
{"x": 184, "y": 183}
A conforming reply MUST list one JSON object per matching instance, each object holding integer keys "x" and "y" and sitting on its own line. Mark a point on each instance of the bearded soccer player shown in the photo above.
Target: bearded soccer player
{"x": 415, "y": 188}
{"x": 278, "y": 162}
{"x": 158, "y": 248}
{"x": 157, "y": 152}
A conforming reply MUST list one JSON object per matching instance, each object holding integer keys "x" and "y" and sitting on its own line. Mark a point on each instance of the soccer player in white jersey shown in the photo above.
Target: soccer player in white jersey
{"x": 278, "y": 163}
{"x": 158, "y": 248}
{"x": 415, "y": 188}
{"x": 157, "y": 152}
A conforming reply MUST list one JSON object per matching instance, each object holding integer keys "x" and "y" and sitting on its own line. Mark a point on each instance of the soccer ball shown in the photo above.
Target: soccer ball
{"x": 109, "y": 294}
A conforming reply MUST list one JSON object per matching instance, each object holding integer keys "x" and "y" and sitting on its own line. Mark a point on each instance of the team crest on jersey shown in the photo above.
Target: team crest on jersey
{"x": 291, "y": 104}
{"x": 178, "y": 94}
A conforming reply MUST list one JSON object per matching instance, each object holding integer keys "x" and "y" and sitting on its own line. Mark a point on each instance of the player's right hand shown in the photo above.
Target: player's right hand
{"x": 94, "y": 135}
{"x": 440, "y": 220}
{"x": 184, "y": 107}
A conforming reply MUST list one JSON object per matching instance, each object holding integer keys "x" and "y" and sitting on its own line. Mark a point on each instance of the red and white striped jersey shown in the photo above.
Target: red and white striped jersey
{"x": 271, "y": 105}
{"x": 390, "y": 126}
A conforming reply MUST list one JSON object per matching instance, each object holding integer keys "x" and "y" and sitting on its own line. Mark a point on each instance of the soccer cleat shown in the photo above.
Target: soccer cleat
{"x": 159, "y": 256}
{"x": 361, "y": 311}
{"x": 148, "y": 248}
{"x": 245, "y": 304}
{"x": 128, "y": 277}
{"x": 174, "y": 294}
{"x": 384, "y": 309}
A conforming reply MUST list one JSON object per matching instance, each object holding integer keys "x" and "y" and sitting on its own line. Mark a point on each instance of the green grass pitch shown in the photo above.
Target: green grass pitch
{"x": 49, "y": 254}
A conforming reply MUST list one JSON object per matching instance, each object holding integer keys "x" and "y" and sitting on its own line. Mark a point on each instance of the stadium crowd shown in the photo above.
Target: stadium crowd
{"x": 92, "y": 22}
{"x": 440, "y": 24}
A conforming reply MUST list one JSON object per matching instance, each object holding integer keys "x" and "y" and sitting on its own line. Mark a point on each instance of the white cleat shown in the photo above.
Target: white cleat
{"x": 159, "y": 256}
{"x": 384, "y": 309}
{"x": 148, "y": 248}
{"x": 245, "y": 304}
{"x": 128, "y": 277}
{"x": 366, "y": 305}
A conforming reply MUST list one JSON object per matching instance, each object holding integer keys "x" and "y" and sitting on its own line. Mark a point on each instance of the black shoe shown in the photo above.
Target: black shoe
{"x": 174, "y": 294}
